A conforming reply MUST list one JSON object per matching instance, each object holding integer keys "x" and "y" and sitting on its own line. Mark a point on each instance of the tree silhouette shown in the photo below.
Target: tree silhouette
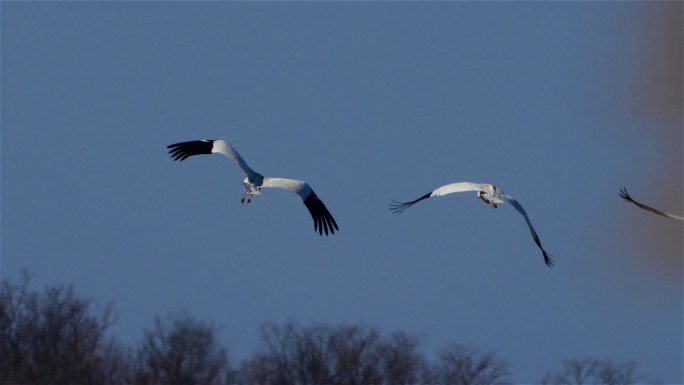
{"x": 182, "y": 351}
{"x": 55, "y": 337}
{"x": 332, "y": 355}
{"x": 401, "y": 361}
{"x": 464, "y": 365}
{"x": 593, "y": 370}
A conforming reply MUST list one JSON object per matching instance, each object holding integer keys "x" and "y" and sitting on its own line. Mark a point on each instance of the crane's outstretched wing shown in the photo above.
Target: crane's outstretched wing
{"x": 547, "y": 258}
{"x": 323, "y": 220}
{"x": 183, "y": 150}
{"x": 624, "y": 195}
{"x": 400, "y": 207}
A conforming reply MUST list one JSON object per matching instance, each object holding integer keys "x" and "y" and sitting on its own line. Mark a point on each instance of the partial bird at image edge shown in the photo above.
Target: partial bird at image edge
{"x": 625, "y": 195}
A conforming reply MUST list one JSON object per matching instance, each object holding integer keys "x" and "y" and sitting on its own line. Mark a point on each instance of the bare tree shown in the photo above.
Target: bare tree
{"x": 55, "y": 337}
{"x": 401, "y": 361}
{"x": 592, "y": 370}
{"x": 182, "y": 353}
{"x": 326, "y": 355}
{"x": 464, "y": 365}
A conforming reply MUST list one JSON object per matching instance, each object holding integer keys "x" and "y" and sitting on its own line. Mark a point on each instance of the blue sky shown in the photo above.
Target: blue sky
{"x": 558, "y": 104}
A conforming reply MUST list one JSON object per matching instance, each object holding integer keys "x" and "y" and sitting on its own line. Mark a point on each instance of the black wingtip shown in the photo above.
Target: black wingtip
{"x": 323, "y": 220}
{"x": 182, "y": 150}
{"x": 547, "y": 257}
{"x": 400, "y": 207}
{"x": 625, "y": 195}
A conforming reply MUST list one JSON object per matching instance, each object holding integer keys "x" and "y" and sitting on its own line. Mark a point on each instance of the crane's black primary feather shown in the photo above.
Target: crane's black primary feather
{"x": 323, "y": 220}
{"x": 182, "y": 150}
{"x": 547, "y": 257}
{"x": 400, "y": 207}
{"x": 513, "y": 202}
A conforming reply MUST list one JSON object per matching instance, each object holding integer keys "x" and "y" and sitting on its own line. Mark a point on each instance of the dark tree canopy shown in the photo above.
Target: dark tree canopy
{"x": 592, "y": 370}
{"x": 55, "y": 337}
{"x": 464, "y": 365}
{"x": 332, "y": 355}
{"x": 182, "y": 351}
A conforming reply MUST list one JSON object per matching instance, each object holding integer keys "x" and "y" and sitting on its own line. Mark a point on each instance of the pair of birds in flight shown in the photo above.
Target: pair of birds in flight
{"x": 324, "y": 221}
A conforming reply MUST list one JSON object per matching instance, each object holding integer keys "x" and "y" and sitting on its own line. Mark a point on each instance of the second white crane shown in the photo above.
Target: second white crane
{"x": 488, "y": 193}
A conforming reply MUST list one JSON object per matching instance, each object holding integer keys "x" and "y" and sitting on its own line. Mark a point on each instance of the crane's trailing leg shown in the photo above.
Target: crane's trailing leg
{"x": 249, "y": 198}
{"x": 250, "y": 190}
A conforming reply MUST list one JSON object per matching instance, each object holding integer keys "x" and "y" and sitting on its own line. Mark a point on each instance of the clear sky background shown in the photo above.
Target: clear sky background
{"x": 558, "y": 104}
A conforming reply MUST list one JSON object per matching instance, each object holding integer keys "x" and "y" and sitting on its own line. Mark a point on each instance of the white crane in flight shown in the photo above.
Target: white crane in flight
{"x": 488, "y": 193}
{"x": 254, "y": 182}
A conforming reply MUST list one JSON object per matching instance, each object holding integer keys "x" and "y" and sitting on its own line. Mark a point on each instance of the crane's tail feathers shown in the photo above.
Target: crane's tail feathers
{"x": 400, "y": 207}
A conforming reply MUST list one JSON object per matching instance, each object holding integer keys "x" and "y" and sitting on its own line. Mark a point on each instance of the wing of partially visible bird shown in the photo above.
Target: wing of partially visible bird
{"x": 323, "y": 220}
{"x": 624, "y": 195}
{"x": 547, "y": 258}
{"x": 400, "y": 207}
{"x": 183, "y": 150}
